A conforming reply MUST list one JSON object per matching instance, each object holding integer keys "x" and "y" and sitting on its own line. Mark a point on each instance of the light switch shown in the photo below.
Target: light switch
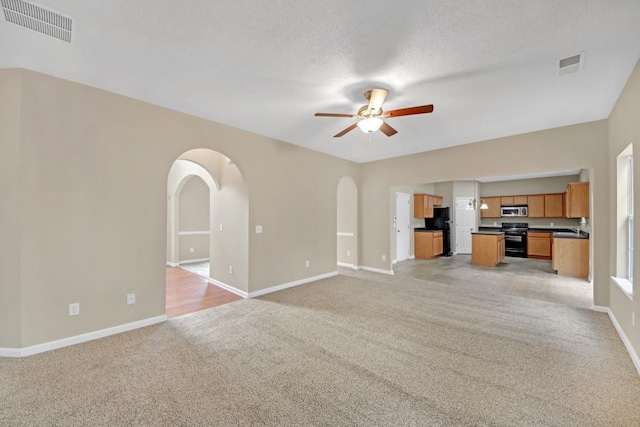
{"x": 258, "y": 229}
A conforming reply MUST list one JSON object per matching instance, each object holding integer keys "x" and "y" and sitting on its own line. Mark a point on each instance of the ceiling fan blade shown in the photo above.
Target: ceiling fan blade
{"x": 376, "y": 99}
{"x": 333, "y": 115}
{"x": 388, "y": 130}
{"x": 349, "y": 129}
{"x": 422, "y": 109}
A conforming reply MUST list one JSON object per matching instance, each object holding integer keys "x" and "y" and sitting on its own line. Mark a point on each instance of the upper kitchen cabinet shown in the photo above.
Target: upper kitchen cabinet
{"x": 423, "y": 205}
{"x": 513, "y": 200}
{"x": 536, "y": 206}
{"x": 553, "y": 205}
{"x": 576, "y": 200}
{"x": 494, "y": 207}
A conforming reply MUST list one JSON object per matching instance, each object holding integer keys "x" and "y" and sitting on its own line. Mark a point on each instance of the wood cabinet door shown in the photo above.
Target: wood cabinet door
{"x": 553, "y": 205}
{"x": 577, "y": 200}
{"x": 506, "y": 200}
{"x": 520, "y": 200}
{"x": 494, "y": 207}
{"x": 428, "y": 206}
{"x": 539, "y": 245}
{"x": 536, "y": 206}
{"x": 437, "y": 201}
{"x": 437, "y": 245}
{"x": 419, "y": 245}
{"x": 418, "y": 205}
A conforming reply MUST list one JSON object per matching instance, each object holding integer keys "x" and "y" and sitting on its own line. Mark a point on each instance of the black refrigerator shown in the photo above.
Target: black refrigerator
{"x": 441, "y": 221}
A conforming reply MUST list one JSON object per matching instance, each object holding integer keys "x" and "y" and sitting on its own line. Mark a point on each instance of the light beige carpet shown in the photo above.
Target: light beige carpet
{"x": 357, "y": 349}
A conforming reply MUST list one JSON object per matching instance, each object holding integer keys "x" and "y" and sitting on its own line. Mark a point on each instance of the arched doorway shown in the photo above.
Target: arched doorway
{"x": 207, "y": 219}
{"x": 347, "y": 223}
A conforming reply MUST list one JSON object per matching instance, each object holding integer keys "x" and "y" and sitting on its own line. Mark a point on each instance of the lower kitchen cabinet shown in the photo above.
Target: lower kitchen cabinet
{"x": 427, "y": 244}
{"x": 487, "y": 248}
{"x": 571, "y": 257}
{"x": 539, "y": 245}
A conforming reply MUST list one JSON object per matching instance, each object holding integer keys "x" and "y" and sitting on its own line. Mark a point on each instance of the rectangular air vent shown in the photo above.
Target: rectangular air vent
{"x": 39, "y": 19}
{"x": 569, "y": 65}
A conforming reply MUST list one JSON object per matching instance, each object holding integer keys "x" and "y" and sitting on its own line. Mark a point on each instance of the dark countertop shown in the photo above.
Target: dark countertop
{"x": 424, "y": 230}
{"x": 570, "y": 235}
{"x": 491, "y": 233}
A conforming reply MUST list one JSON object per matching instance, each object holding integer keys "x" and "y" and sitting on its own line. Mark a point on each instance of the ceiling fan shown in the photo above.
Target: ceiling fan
{"x": 370, "y": 116}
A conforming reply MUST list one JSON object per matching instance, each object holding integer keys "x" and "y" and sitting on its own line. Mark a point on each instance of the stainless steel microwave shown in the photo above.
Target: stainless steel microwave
{"x": 514, "y": 211}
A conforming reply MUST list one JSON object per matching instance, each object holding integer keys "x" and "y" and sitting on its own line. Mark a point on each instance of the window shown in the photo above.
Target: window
{"x": 624, "y": 222}
{"x": 630, "y": 217}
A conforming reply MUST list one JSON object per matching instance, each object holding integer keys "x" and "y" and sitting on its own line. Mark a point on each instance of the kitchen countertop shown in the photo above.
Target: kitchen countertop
{"x": 491, "y": 233}
{"x": 570, "y": 235}
{"x": 424, "y": 230}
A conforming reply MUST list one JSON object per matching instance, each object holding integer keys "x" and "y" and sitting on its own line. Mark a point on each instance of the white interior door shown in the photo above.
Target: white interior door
{"x": 465, "y": 224}
{"x": 402, "y": 222}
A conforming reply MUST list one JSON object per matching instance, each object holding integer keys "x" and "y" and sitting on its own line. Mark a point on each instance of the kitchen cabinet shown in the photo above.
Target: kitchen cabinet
{"x": 576, "y": 200}
{"x": 427, "y": 244}
{"x": 494, "y": 207}
{"x": 571, "y": 257}
{"x": 487, "y": 248}
{"x": 513, "y": 200}
{"x": 423, "y": 205}
{"x": 553, "y": 205}
{"x": 539, "y": 245}
{"x": 536, "y": 206}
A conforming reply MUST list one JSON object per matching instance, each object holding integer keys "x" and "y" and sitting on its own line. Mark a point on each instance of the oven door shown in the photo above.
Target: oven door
{"x": 515, "y": 245}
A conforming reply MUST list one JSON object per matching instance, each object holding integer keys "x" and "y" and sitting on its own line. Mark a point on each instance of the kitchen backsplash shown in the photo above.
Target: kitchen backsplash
{"x": 533, "y": 222}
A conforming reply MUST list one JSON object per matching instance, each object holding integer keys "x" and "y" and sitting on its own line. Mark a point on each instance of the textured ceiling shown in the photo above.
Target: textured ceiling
{"x": 267, "y": 67}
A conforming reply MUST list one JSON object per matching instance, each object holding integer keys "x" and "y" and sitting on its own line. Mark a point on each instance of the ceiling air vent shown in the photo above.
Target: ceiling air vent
{"x": 569, "y": 65}
{"x": 37, "y": 18}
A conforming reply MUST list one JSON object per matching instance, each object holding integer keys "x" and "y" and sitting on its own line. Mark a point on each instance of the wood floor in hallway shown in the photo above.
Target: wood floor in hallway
{"x": 187, "y": 292}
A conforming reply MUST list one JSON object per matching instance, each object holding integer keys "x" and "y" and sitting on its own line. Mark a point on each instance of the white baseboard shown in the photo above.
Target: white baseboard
{"x": 291, "y": 284}
{"x": 377, "y": 270}
{"x": 412, "y": 257}
{"x": 77, "y": 339}
{"x": 344, "y": 264}
{"x": 193, "y": 261}
{"x": 634, "y": 356}
{"x": 600, "y": 308}
{"x": 229, "y": 288}
{"x": 173, "y": 264}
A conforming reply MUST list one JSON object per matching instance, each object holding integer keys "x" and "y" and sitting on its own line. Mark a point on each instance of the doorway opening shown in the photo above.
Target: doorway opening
{"x": 207, "y": 232}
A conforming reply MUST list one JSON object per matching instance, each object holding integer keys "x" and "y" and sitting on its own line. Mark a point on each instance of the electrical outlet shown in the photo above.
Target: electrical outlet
{"x": 131, "y": 298}
{"x": 258, "y": 229}
{"x": 348, "y": 253}
{"x": 230, "y": 269}
{"x": 306, "y": 263}
{"x": 221, "y": 228}
{"x": 384, "y": 257}
{"x": 191, "y": 250}
{"x": 74, "y": 309}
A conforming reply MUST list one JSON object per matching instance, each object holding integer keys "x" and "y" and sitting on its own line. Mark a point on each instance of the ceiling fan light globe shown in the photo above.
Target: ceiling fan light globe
{"x": 370, "y": 125}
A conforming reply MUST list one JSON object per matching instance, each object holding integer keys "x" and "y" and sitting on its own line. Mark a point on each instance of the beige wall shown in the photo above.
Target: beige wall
{"x": 230, "y": 247}
{"x": 94, "y": 180}
{"x": 10, "y": 181}
{"x": 555, "y": 184}
{"x": 194, "y": 216}
{"x": 347, "y": 222}
{"x": 624, "y": 129}
{"x": 566, "y": 148}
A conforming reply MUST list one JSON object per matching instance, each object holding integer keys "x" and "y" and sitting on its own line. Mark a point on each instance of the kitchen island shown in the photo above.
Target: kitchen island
{"x": 487, "y": 248}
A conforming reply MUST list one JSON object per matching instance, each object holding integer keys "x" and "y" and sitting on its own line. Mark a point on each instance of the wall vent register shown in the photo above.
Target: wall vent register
{"x": 38, "y": 18}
